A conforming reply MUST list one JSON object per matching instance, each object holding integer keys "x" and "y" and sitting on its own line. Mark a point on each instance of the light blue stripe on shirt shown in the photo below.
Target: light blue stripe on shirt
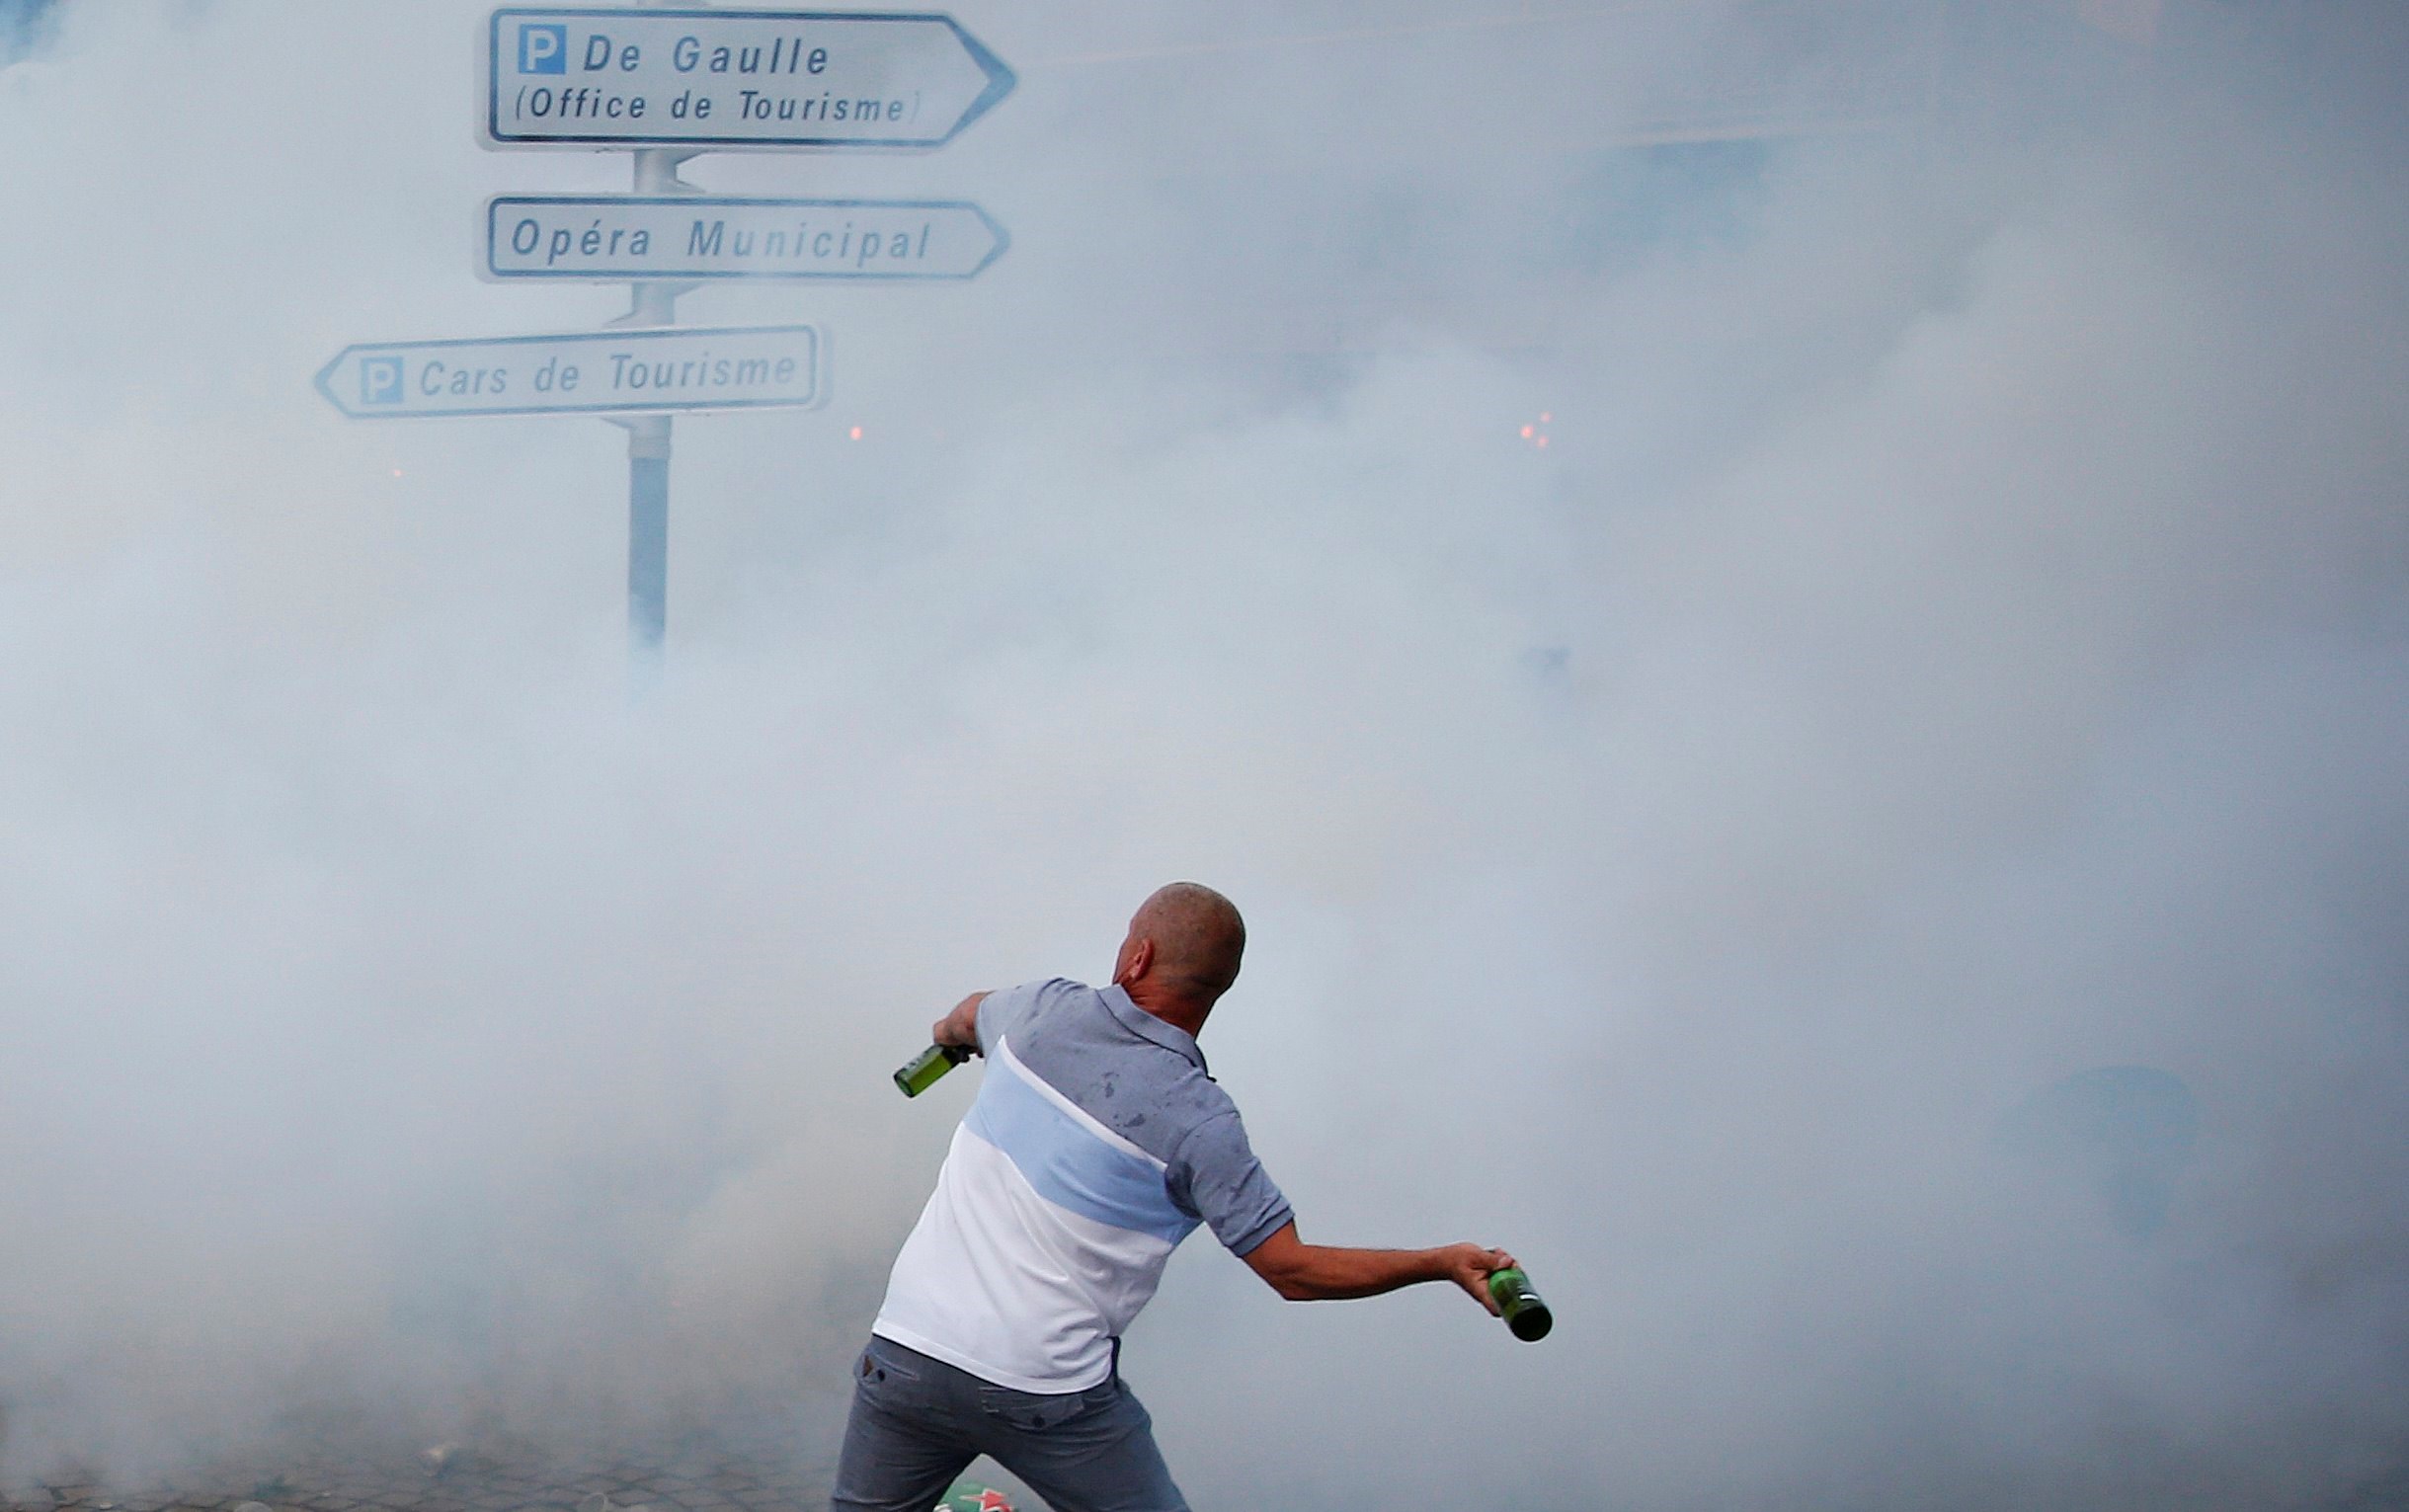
{"x": 1067, "y": 1164}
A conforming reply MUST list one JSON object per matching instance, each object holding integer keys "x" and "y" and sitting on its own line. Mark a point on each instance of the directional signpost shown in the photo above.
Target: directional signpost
{"x": 667, "y": 84}
{"x": 641, "y": 371}
{"x": 733, "y": 79}
{"x": 693, "y": 237}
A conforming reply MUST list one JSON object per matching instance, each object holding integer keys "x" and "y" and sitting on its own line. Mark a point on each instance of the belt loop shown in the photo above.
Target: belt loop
{"x": 1116, "y": 1360}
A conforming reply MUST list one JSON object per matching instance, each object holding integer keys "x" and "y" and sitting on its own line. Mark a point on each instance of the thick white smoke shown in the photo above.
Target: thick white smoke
{"x": 1953, "y": 640}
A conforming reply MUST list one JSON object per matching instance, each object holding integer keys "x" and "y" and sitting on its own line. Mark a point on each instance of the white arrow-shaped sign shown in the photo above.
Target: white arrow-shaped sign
{"x": 640, "y": 370}
{"x": 722, "y": 236}
{"x": 732, "y": 79}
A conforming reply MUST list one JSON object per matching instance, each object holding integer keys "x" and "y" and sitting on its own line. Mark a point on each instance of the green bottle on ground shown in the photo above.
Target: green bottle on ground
{"x": 927, "y": 1065}
{"x": 1524, "y": 1312}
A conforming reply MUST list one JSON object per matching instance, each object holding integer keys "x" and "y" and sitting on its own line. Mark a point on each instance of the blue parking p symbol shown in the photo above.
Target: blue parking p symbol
{"x": 380, "y": 380}
{"x": 543, "y": 49}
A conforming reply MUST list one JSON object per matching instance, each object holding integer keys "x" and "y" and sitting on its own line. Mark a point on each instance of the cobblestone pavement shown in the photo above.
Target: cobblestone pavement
{"x": 767, "y": 1470}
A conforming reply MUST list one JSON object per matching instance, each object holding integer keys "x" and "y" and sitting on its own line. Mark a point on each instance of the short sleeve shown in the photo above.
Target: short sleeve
{"x": 1001, "y": 1012}
{"x": 1217, "y": 1174}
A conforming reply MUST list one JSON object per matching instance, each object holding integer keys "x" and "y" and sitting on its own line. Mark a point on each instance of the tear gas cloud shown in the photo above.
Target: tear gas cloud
{"x": 1954, "y": 641}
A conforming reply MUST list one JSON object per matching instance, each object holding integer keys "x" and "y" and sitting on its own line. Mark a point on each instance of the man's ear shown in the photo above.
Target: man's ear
{"x": 1140, "y": 960}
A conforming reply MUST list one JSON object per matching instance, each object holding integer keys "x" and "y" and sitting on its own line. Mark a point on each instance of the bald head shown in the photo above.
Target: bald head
{"x": 1182, "y": 950}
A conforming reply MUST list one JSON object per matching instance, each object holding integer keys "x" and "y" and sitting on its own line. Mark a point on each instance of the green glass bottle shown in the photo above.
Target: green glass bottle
{"x": 927, "y": 1065}
{"x": 1525, "y": 1313}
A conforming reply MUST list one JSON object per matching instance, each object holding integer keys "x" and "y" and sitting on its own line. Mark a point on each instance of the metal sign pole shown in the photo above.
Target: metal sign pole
{"x": 648, "y": 440}
{"x": 648, "y": 459}
{"x": 648, "y": 437}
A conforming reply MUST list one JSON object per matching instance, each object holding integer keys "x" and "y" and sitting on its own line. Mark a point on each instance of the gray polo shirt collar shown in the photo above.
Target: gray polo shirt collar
{"x": 1144, "y": 1024}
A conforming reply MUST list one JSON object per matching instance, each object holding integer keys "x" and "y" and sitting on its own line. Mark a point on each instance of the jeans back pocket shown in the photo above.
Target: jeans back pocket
{"x": 1030, "y": 1413}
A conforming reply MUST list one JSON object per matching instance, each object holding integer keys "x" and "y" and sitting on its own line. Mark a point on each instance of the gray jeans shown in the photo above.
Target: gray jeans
{"x": 917, "y": 1423}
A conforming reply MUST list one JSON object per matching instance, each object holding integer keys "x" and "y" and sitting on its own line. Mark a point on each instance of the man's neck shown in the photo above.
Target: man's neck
{"x": 1180, "y": 1012}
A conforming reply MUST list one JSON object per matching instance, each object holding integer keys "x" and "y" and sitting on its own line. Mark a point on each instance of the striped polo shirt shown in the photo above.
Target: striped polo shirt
{"x": 1095, "y": 1144}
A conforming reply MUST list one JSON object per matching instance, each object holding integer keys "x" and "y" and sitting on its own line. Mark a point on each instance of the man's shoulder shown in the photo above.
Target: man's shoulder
{"x": 1146, "y": 1090}
{"x": 1044, "y": 990}
{"x": 1015, "y": 1010}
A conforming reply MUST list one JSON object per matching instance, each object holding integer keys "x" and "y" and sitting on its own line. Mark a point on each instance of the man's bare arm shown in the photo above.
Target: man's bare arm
{"x": 960, "y": 1028}
{"x": 1303, "y": 1272}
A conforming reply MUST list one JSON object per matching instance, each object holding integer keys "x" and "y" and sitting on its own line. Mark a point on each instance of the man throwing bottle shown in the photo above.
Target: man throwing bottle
{"x": 1096, "y": 1143}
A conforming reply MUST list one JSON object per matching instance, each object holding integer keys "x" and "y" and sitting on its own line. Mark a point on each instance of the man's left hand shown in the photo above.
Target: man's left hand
{"x": 959, "y": 1030}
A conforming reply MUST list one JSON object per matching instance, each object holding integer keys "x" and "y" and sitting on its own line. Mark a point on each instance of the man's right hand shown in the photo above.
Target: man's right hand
{"x": 1470, "y": 1265}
